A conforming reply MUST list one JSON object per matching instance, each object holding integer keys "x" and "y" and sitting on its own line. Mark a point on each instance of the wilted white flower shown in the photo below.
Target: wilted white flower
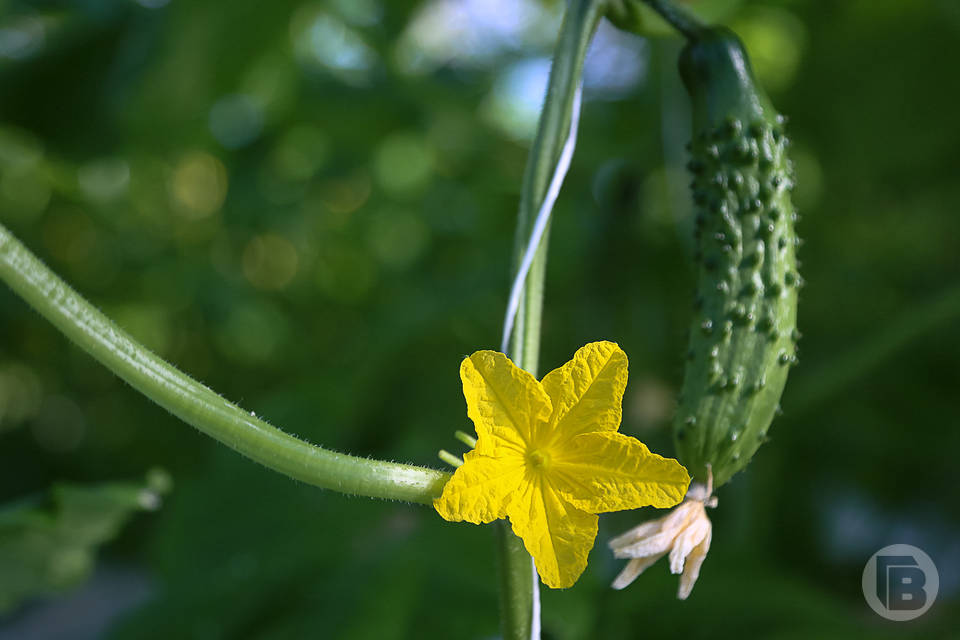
{"x": 684, "y": 533}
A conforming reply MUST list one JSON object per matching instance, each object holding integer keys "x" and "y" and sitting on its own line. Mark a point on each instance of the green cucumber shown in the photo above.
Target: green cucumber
{"x": 743, "y": 335}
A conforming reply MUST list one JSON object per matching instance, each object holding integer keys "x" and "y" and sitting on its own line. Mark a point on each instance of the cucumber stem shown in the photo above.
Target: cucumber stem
{"x": 197, "y": 404}
{"x": 680, "y": 19}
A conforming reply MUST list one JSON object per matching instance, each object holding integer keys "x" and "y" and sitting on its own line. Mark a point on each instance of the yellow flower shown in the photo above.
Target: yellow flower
{"x": 549, "y": 457}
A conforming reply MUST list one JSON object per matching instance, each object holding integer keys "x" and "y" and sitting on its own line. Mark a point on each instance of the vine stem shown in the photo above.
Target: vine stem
{"x": 579, "y": 24}
{"x": 519, "y": 588}
{"x": 195, "y": 403}
{"x": 541, "y": 222}
{"x": 681, "y": 20}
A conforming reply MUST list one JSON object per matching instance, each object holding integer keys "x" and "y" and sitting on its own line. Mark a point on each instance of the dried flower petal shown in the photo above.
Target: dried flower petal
{"x": 684, "y": 533}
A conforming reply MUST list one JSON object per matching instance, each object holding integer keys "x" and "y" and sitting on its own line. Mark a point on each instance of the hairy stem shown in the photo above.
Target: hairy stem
{"x": 519, "y": 615}
{"x": 198, "y": 405}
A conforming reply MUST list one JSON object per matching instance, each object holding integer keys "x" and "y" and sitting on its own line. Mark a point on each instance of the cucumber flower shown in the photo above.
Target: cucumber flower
{"x": 549, "y": 457}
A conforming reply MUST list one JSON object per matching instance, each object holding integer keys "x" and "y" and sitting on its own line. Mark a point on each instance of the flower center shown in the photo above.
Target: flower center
{"x": 538, "y": 459}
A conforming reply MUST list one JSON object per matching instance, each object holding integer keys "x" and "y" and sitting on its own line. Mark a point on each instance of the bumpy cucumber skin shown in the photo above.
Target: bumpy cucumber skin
{"x": 743, "y": 335}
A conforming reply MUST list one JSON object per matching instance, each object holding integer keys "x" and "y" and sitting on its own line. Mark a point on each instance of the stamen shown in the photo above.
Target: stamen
{"x": 538, "y": 459}
{"x": 449, "y": 458}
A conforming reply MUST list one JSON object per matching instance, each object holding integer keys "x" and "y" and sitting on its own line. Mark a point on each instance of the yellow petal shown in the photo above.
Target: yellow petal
{"x": 609, "y": 471}
{"x": 480, "y": 489}
{"x": 558, "y": 535}
{"x": 502, "y": 399}
{"x": 587, "y": 392}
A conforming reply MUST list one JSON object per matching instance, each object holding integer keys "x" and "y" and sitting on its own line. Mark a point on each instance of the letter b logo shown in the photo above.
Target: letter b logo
{"x": 900, "y": 582}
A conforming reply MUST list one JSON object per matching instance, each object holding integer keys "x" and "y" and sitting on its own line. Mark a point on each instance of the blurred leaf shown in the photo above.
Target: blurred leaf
{"x": 49, "y": 544}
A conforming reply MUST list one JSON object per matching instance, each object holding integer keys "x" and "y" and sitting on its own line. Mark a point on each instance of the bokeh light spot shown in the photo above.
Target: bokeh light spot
{"x": 775, "y": 39}
{"x": 345, "y": 195}
{"x": 299, "y": 153}
{"x": 20, "y": 394}
{"x": 153, "y": 4}
{"x": 404, "y": 163}
{"x": 198, "y": 185}
{"x": 104, "y": 179}
{"x": 651, "y": 404}
{"x": 615, "y": 64}
{"x": 236, "y": 120}
{"x": 397, "y": 238}
{"x": 363, "y": 13}
{"x": 324, "y": 41}
{"x": 19, "y": 149}
{"x": 474, "y": 33}
{"x": 270, "y": 261}
{"x": 22, "y": 38}
{"x": 513, "y": 105}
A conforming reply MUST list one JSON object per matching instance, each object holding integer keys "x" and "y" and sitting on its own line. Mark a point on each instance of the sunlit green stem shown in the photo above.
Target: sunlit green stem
{"x": 516, "y": 584}
{"x": 579, "y": 24}
{"x": 197, "y": 405}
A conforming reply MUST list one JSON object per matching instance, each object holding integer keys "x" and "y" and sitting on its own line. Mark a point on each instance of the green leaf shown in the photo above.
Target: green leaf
{"x": 48, "y": 543}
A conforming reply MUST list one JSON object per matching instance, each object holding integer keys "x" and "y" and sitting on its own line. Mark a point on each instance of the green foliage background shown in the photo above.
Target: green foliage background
{"x": 283, "y": 199}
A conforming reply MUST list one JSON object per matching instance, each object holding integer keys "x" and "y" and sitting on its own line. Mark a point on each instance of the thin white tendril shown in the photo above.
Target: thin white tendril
{"x": 535, "y": 607}
{"x": 543, "y": 216}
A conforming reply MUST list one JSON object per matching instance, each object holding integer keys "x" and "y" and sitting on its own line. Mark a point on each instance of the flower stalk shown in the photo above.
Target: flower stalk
{"x": 519, "y": 590}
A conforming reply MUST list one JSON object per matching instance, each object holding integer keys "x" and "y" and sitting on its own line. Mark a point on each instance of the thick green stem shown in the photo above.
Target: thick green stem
{"x": 516, "y": 584}
{"x": 579, "y": 24}
{"x": 197, "y": 405}
{"x": 684, "y": 22}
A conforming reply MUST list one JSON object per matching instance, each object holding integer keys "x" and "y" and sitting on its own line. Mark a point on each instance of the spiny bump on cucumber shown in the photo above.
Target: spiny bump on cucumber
{"x": 743, "y": 336}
